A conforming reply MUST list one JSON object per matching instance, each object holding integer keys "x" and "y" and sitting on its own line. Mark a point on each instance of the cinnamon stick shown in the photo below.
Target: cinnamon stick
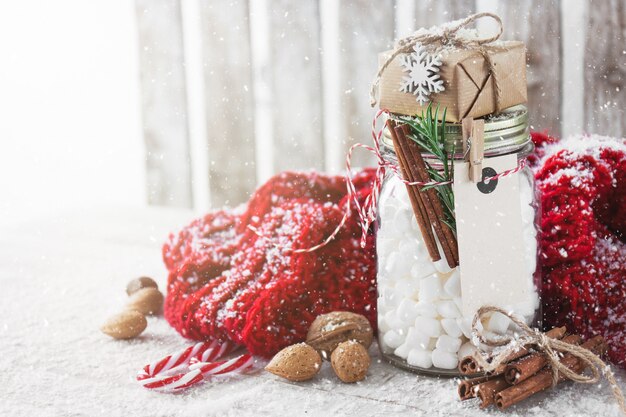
{"x": 416, "y": 202}
{"x": 449, "y": 238}
{"x": 427, "y": 196}
{"x": 469, "y": 366}
{"x": 487, "y": 391}
{"x": 543, "y": 379}
{"x": 526, "y": 367}
{"x": 466, "y": 386}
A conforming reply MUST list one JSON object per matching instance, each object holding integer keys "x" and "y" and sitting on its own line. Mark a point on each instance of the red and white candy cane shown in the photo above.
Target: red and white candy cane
{"x": 191, "y": 366}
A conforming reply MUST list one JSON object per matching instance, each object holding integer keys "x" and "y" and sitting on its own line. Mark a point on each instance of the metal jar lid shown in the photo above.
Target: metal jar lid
{"x": 504, "y": 133}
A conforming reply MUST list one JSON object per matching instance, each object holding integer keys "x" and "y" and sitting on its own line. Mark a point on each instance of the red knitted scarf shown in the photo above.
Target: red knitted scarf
{"x": 228, "y": 283}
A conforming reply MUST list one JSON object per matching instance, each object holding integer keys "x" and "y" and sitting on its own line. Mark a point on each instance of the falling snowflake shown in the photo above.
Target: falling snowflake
{"x": 423, "y": 78}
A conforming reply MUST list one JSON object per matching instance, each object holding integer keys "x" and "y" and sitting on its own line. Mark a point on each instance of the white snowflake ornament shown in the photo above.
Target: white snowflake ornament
{"x": 423, "y": 74}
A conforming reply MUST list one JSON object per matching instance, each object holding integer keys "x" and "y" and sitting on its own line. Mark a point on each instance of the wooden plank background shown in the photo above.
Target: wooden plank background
{"x": 285, "y": 84}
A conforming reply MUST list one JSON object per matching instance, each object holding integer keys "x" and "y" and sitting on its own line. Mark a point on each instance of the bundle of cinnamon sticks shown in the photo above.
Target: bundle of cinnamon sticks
{"x": 427, "y": 206}
{"x": 523, "y": 373}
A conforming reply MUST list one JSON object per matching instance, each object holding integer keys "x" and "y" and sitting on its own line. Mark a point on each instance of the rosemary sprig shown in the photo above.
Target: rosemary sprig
{"x": 429, "y": 134}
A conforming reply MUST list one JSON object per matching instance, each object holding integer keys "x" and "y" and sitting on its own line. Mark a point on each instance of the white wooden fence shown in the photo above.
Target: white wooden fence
{"x": 234, "y": 91}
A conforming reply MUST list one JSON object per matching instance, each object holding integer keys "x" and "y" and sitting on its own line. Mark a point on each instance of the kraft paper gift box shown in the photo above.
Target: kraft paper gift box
{"x": 469, "y": 84}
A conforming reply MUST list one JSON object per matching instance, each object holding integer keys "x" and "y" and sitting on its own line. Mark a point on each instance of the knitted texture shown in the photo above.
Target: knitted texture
{"x": 582, "y": 181}
{"x": 225, "y": 282}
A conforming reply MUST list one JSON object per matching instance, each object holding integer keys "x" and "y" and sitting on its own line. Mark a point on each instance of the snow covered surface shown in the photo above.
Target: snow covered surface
{"x": 62, "y": 277}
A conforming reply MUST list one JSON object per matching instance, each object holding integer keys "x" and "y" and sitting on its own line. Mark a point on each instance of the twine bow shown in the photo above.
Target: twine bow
{"x": 551, "y": 347}
{"x": 444, "y": 36}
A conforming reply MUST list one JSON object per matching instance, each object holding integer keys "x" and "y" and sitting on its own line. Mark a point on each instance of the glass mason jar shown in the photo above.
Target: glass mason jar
{"x": 430, "y": 335}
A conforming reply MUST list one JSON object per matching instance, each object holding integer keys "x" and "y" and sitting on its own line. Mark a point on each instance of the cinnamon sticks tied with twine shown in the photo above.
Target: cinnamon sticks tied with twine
{"x": 532, "y": 363}
{"x": 427, "y": 206}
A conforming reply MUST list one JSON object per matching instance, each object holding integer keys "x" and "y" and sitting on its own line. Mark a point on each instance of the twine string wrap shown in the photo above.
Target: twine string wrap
{"x": 552, "y": 348}
{"x": 447, "y": 36}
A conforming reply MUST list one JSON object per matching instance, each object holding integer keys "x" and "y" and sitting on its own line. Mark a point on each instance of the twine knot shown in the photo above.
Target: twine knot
{"x": 448, "y": 35}
{"x": 552, "y": 348}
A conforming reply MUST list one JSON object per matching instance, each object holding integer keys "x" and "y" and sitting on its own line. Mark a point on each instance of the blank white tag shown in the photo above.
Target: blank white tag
{"x": 489, "y": 233}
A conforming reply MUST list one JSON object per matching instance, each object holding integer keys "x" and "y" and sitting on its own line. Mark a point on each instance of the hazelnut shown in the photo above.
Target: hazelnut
{"x": 350, "y": 361}
{"x": 139, "y": 283}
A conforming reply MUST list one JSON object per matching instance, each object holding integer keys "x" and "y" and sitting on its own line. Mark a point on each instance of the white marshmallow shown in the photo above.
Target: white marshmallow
{"x": 385, "y": 246}
{"x": 428, "y": 326}
{"x": 422, "y": 268}
{"x": 448, "y": 343}
{"x": 465, "y": 324}
{"x": 448, "y": 309}
{"x": 417, "y": 339}
{"x": 393, "y": 321}
{"x": 392, "y": 339}
{"x": 466, "y": 349}
{"x": 397, "y": 266}
{"x": 451, "y": 327}
{"x": 459, "y": 303}
{"x": 442, "y": 265}
{"x": 452, "y": 287}
{"x": 407, "y": 310}
{"x": 410, "y": 248}
{"x": 421, "y": 358}
{"x": 498, "y": 323}
{"x": 430, "y": 288}
{"x": 407, "y": 288}
{"x": 444, "y": 360}
{"x": 402, "y": 351}
{"x": 426, "y": 309}
{"x": 382, "y": 324}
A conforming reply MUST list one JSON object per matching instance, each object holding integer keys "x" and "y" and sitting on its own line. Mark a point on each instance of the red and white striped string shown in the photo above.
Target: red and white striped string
{"x": 367, "y": 210}
{"x": 193, "y": 365}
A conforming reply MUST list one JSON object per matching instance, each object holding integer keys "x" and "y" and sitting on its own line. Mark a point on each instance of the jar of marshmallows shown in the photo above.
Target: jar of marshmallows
{"x": 423, "y": 318}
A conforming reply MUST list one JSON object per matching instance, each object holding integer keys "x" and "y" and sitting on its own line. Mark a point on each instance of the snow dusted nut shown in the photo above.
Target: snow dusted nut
{"x": 430, "y": 288}
{"x": 428, "y": 326}
{"x": 448, "y": 309}
{"x": 298, "y": 362}
{"x": 448, "y": 343}
{"x": 139, "y": 283}
{"x": 350, "y": 361}
{"x": 329, "y": 330}
{"x": 451, "y": 327}
{"x": 444, "y": 360}
{"x": 125, "y": 325}
{"x": 393, "y": 339}
{"x": 498, "y": 323}
{"x": 452, "y": 287}
{"x": 146, "y": 301}
{"x": 416, "y": 339}
{"x": 402, "y": 351}
{"x": 466, "y": 349}
{"x": 420, "y": 357}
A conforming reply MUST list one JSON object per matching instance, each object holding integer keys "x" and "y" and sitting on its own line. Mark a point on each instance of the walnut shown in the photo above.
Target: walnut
{"x": 329, "y": 330}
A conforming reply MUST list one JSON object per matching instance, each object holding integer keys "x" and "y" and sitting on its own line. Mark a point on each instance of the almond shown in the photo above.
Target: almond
{"x": 139, "y": 283}
{"x": 125, "y": 325}
{"x": 146, "y": 301}
{"x": 296, "y": 363}
{"x": 350, "y": 361}
{"x": 329, "y": 330}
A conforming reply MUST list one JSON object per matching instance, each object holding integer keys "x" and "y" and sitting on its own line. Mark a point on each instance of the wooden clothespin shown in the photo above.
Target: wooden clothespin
{"x": 474, "y": 146}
